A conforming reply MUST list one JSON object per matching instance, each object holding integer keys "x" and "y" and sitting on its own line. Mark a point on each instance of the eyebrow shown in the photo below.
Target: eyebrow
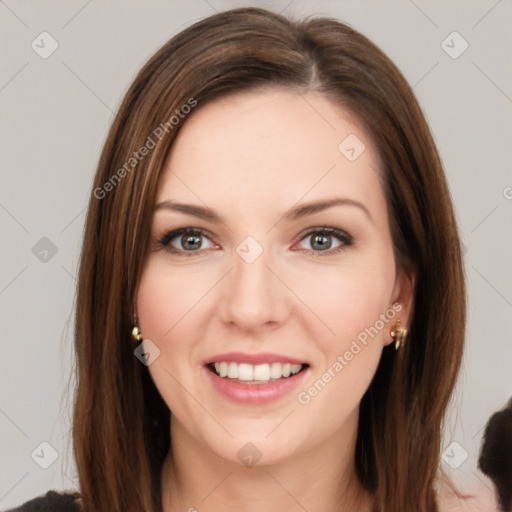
{"x": 295, "y": 213}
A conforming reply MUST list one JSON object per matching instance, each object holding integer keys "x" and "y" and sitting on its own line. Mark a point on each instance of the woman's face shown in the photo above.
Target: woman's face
{"x": 259, "y": 292}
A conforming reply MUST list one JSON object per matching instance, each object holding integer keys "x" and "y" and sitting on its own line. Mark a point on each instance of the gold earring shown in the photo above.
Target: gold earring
{"x": 399, "y": 334}
{"x": 136, "y": 334}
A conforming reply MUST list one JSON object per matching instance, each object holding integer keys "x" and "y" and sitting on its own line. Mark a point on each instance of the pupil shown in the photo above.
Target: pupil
{"x": 195, "y": 244}
{"x": 321, "y": 241}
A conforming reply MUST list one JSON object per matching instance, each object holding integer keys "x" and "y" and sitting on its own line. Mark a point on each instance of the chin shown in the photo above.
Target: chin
{"x": 255, "y": 450}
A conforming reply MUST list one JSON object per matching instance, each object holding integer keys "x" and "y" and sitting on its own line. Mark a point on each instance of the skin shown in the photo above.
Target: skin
{"x": 474, "y": 493}
{"x": 251, "y": 157}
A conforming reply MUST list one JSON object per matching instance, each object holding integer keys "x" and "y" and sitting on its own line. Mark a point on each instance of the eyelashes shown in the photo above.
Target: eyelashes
{"x": 191, "y": 237}
{"x": 185, "y": 233}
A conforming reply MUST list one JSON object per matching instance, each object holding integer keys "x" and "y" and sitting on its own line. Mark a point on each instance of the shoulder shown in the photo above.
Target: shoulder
{"x": 478, "y": 497}
{"x": 52, "y": 501}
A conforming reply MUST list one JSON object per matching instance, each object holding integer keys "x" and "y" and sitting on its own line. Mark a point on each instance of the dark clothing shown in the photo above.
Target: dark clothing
{"x": 52, "y": 501}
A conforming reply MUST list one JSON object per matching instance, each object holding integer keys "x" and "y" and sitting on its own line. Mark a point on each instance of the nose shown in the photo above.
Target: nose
{"x": 253, "y": 297}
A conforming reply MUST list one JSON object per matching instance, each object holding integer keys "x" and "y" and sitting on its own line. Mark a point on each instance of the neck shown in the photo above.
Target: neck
{"x": 324, "y": 478}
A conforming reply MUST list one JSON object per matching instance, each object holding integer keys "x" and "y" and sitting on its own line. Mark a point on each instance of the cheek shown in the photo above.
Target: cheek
{"x": 166, "y": 303}
{"x": 164, "y": 300}
{"x": 356, "y": 307}
{"x": 356, "y": 317}
{"x": 350, "y": 300}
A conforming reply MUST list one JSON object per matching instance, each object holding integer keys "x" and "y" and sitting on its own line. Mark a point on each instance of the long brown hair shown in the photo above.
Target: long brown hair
{"x": 121, "y": 424}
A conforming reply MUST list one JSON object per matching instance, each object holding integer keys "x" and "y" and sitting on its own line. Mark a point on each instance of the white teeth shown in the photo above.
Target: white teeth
{"x": 223, "y": 369}
{"x": 261, "y": 372}
{"x": 276, "y": 371}
{"x": 232, "y": 371}
{"x": 295, "y": 368}
{"x": 245, "y": 371}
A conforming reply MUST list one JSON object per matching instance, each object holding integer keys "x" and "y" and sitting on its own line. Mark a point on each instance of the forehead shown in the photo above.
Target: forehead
{"x": 271, "y": 147}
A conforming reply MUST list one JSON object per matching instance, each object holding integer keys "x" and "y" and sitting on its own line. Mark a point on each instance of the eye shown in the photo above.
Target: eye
{"x": 321, "y": 241}
{"x": 188, "y": 240}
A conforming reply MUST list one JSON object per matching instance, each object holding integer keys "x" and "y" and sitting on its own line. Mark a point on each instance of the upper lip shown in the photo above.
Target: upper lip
{"x": 254, "y": 359}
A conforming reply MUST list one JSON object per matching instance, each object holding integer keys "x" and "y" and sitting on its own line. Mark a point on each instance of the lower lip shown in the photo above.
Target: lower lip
{"x": 255, "y": 394}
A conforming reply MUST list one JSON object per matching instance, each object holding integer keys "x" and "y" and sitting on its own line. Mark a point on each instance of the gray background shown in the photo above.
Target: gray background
{"x": 55, "y": 113}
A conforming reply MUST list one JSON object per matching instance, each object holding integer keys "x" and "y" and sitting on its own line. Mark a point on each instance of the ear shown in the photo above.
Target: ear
{"x": 403, "y": 294}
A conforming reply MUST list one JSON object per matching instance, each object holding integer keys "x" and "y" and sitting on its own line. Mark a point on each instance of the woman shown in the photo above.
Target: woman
{"x": 228, "y": 354}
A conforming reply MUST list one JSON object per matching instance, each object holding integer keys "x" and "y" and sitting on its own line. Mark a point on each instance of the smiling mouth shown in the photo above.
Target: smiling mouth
{"x": 245, "y": 373}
